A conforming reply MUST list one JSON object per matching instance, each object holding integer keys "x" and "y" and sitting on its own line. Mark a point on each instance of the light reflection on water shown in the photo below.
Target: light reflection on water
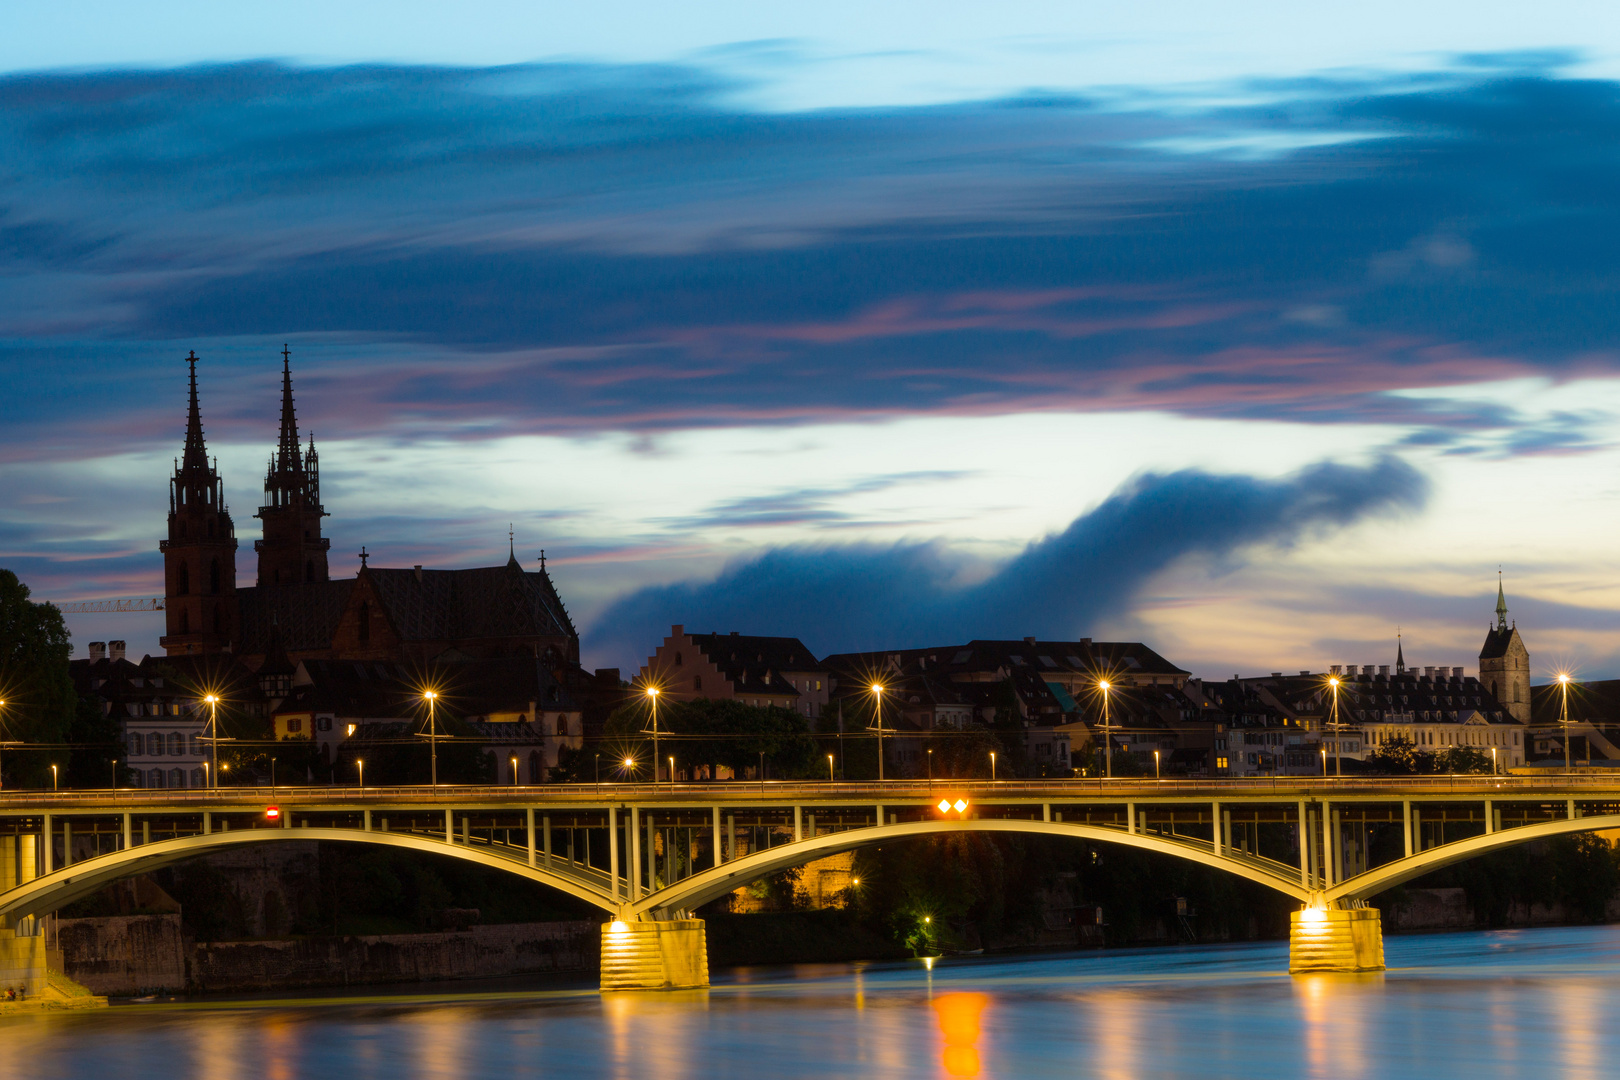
{"x": 1509, "y": 1004}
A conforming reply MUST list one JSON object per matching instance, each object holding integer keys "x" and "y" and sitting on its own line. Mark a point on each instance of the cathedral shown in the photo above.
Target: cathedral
{"x": 296, "y": 611}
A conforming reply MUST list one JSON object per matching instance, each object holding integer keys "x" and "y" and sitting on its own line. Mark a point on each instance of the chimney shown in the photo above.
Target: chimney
{"x": 677, "y": 630}
{"x": 1030, "y": 642}
{"x": 1304, "y": 673}
{"x": 1369, "y": 671}
{"x": 418, "y": 569}
{"x": 1383, "y": 671}
{"x": 98, "y": 651}
{"x": 116, "y": 649}
{"x": 1335, "y": 669}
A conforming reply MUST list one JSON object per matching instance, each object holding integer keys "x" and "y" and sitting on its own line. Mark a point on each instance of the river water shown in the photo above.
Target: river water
{"x": 1531, "y": 1003}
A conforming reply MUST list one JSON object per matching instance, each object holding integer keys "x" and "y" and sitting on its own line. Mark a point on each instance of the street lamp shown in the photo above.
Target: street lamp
{"x": 514, "y": 770}
{"x": 1324, "y": 762}
{"x": 208, "y": 775}
{"x": 672, "y": 770}
{"x": 829, "y": 768}
{"x": 1338, "y": 761}
{"x": 930, "y": 768}
{"x": 432, "y": 696}
{"x": 992, "y": 766}
{"x": 652, "y": 699}
{"x": 1493, "y": 761}
{"x": 53, "y": 778}
{"x": 1156, "y": 765}
{"x": 877, "y": 695}
{"x": 213, "y": 724}
{"x": 1563, "y": 712}
{"x": 1107, "y": 728}
{"x": 360, "y": 764}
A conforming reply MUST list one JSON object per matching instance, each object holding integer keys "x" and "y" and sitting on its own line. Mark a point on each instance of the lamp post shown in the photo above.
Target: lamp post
{"x": 930, "y": 769}
{"x": 213, "y": 725}
{"x": 1493, "y": 761}
{"x": 208, "y": 776}
{"x": 877, "y": 696}
{"x": 672, "y": 770}
{"x": 652, "y": 698}
{"x": 360, "y": 764}
{"x": 514, "y": 770}
{"x": 53, "y": 779}
{"x": 992, "y": 766}
{"x": 1107, "y": 728}
{"x": 1156, "y": 775}
{"x": 1563, "y": 713}
{"x": 829, "y": 768}
{"x": 431, "y": 696}
{"x": 1338, "y": 761}
{"x": 1324, "y": 763}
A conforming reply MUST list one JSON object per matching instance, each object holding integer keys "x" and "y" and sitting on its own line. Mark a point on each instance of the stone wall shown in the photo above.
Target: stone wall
{"x": 124, "y": 954}
{"x": 479, "y": 952}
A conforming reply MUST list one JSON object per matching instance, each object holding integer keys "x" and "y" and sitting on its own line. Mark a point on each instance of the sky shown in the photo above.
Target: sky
{"x": 1260, "y": 334}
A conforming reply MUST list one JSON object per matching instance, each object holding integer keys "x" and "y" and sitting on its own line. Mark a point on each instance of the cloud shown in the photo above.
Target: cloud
{"x": 577, "y": 247}
{"x": 858, "y": 597}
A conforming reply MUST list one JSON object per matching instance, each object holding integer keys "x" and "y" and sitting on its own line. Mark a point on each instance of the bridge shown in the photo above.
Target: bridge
{"x": 649, "y": 855}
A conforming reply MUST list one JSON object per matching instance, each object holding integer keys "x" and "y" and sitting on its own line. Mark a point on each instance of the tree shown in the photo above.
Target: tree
{"x": 41, "y": 703}
{"x": 713, "y": 732}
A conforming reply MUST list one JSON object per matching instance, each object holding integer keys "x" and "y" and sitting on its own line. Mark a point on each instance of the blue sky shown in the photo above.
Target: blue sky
{"x": 877, "y": 324}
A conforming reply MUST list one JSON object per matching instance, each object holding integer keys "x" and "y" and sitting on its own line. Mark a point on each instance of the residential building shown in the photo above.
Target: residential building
{"x": 765, "y": 671}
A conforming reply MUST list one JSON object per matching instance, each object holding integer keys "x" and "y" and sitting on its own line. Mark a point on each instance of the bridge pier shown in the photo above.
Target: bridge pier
{"x": 22, "y": 957}
{"x": 1335, "y": 939}
{"x": 653, "y": 955}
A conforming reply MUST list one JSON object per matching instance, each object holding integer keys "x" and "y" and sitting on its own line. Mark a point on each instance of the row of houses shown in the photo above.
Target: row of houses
{"x": 1065, "y": 707}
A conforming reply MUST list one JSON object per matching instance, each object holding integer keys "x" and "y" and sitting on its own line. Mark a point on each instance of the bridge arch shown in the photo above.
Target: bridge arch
{"x": 716, "y": 882}
{"x": 61, "y": 887}
{"x": 1380, "y": 878}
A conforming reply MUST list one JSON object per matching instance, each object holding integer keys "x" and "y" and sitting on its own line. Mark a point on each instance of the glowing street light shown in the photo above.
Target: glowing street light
{"x": 514, "y": 770}
{"x": 213, "y": 724}
{"x": 829, "y": 768}
{"x": 53, "y": 778}
{"x": 1107, "y": 729}
{"x": 652, "y": 701}
{"x": 360, "y": 764}
{"x": 1156, "y": 775}
{"x": 1563, "y": 712}
{"x": 877, "y": 697}
{"x": 1338, "y": 760}
{"x": 432, "y": 736}
{"x": 992, "y": 766}
{"x": 672, "y": 770}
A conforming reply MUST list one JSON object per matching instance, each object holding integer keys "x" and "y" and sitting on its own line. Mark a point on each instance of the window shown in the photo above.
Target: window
{"x": 177, "y": 778}
{"x": 137, "y": 744}
{"x": 677, "y": 659}
{"x": 1220, "y": 763}
{"x": 196, "y": 746}
{"x": 185, "y": 621}
{"x": 213, "y": 577}
{"x": 154, "y": 779}
{"x": 536, "y": 764}
{"x": 324, "y": 723}
{"x": 177, "y": 746}
{"x": 294, "y": 725}
{"x": 182, "y": 581}
{"x": 309, "y": 570}
{"x": 697, "y": 682}
{"x": 197, "y": 777}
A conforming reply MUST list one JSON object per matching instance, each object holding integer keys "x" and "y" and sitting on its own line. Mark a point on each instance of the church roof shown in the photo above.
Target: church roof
{"x": 296, "y": 618}
{"x": 486, "y": 602}
{"x": 1496, "y": 643}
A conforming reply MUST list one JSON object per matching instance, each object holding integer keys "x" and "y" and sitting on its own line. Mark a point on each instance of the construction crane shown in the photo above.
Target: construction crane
{"x": 88, "y": 607}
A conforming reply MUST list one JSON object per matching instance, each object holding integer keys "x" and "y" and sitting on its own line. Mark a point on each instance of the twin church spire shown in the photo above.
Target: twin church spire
{"x": 199, "y": 554}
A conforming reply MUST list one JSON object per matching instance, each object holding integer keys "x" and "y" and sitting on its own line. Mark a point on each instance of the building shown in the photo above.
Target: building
{"x": 404, "y": 616}
{"x": 1504, "y": 663}
{"x": 160, "y": 709}
{"x": 765, "y": 671}
{"x": 523, "y": 717}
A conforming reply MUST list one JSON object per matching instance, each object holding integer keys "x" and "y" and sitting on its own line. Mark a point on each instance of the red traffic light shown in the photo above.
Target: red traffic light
{"x": 272, "y": 812}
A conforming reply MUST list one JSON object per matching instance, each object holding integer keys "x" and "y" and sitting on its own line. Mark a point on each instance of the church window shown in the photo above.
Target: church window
{"x": 365, "y": 620}
{"x": 213, "y": 577}
{"x": 182, "y": 581}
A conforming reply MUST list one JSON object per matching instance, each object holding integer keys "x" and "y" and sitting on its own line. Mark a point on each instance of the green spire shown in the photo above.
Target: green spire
{"x": 1501, "y": 604}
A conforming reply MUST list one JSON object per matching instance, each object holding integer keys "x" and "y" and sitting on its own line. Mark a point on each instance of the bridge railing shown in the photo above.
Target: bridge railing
{"x": 781, "y": 791}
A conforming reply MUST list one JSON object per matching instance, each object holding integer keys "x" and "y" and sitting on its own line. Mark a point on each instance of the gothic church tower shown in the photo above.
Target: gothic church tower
{"x": 1504, "y": 663}
{"x": 293, "y": 549}
{"x": 199, "y": 557}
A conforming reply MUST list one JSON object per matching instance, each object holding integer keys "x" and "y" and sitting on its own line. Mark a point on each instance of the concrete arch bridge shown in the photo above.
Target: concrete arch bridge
{"x": 647, "y": 855}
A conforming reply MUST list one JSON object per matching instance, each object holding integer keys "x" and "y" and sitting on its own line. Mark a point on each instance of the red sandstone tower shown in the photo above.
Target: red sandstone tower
{"x": 293, "y": 550}
{"x": 199, "y": 557}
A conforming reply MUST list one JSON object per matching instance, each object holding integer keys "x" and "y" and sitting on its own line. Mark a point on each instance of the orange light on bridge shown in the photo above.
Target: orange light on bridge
{"x": 945, "y": 806}
{"x": 272, "y": 812}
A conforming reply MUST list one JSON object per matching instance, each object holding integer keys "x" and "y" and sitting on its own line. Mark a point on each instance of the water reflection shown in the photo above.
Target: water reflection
{"x": 958, "y": 1015}
{"x": 1480, "y": 1006}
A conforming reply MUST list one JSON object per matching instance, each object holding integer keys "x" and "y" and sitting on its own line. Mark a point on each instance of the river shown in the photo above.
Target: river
{"x": 1525, "y": 1003}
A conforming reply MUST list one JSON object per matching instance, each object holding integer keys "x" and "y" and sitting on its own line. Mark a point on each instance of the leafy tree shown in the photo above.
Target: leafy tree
{"x": 725, "y": 733}
{"x": 41, "y": 704}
